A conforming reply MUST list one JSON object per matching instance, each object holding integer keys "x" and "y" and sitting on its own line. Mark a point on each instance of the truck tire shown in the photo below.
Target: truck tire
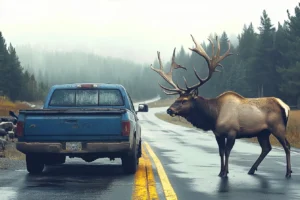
{"x": 55, "y": 160}
{"x": 140, "y": 149}
{"x": 34, "y": 164}
{"x": 130, "y": 161}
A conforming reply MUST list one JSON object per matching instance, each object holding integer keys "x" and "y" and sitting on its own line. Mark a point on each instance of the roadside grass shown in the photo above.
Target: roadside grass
{"x": 12, "y": 153}
{"x": 293, "y": 128}
{"x": 6, "y": 105}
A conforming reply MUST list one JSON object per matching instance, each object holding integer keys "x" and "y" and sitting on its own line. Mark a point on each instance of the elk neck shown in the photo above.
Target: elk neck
{"x": 204, "y": 113}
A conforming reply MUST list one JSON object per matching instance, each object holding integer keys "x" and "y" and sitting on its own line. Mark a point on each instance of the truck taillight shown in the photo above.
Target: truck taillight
{"x": 19, "y": 129}
{"x": 125, "y": 128}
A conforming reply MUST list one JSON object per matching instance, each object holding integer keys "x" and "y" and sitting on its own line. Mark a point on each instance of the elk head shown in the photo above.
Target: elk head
{"x": 185, "y": 103}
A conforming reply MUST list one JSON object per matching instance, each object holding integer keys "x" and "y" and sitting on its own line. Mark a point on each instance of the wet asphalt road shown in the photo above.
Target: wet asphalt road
{"x": 74, "y": 180}
{"x": 190, "y": 159}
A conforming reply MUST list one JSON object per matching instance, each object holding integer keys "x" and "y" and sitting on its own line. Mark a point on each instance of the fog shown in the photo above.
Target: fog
{"x": 129, "y": 29}
{"x": 114, "y": 41}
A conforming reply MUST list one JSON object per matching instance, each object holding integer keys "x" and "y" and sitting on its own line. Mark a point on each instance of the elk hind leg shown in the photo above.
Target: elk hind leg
{"x": 264, "y": 141}
{"x": 286, "y": 146}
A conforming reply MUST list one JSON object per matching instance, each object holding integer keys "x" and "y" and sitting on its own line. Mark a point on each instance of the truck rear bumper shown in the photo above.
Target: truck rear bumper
{"x": 87, "y": 147}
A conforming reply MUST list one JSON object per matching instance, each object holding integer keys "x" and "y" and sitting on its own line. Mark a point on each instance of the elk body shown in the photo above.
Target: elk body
{"x": 229, "y": 116}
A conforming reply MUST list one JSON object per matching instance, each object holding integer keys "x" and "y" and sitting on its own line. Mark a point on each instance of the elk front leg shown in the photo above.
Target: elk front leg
{"x": 264, "y": 142}
{"x": 221, "y": 144}
{"x": 229, "y": 145}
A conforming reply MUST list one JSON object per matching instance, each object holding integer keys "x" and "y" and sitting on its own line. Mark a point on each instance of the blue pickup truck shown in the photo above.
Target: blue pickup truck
{"x": 85, "y": 120}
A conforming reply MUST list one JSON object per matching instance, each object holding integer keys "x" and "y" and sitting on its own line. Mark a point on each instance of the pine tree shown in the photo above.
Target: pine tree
{"x": 15, "y": 74}
{"x": 290, "y": 69}
{"x": 264, "y": 69}
{"x": 4, "y": 70}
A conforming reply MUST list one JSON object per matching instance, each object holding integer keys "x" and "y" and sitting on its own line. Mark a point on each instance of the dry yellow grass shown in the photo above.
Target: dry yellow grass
{"x": 293, "y": 129}
{"x": 6, "y": 105}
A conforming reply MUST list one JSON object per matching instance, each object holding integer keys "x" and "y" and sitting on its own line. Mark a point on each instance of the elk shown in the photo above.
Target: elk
{"x": 229, "y": 116}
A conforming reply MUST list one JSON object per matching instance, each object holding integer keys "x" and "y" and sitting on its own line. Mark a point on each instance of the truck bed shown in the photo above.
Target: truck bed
{"x": 74, "y": 111}
{"x": 89, "y": 122}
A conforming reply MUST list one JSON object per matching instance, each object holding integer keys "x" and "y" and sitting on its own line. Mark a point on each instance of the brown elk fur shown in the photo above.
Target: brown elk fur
{"x": 230, "y": 116}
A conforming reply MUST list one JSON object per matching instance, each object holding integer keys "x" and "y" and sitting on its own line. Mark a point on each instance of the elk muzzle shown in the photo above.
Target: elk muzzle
{"x": 171, "y": 112}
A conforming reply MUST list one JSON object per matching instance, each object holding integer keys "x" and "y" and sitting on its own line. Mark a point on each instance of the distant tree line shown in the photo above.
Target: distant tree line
{"x": 265, "y": 63}
{"x": 15, "y": 82}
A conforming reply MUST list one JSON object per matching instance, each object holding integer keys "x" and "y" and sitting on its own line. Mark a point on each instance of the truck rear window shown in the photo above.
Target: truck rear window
{"x": 86, "y": 97}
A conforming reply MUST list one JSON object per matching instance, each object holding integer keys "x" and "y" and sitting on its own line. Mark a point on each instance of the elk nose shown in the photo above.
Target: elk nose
{"x": 169, "y": 111}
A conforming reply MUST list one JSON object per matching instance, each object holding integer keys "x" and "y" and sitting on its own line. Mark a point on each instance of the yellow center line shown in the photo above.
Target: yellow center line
{"x": 167, "y": 187}
{"x": 144, "y": 183}
{"x": 150, "y": 178}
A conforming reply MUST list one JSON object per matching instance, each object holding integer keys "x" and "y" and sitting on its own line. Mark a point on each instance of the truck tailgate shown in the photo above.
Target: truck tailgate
{"x": 73, "y": 123}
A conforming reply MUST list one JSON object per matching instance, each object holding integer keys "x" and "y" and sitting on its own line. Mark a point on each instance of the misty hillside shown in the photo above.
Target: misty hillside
{"x": 70, "y": 67}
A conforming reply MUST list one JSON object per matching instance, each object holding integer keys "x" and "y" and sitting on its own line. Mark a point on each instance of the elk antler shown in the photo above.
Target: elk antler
{"x": 212, "y": 62}
{"x": 168, "y": 76}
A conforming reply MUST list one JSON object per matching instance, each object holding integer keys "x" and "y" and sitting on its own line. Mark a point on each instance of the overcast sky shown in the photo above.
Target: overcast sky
{"x": 129, "y": 29}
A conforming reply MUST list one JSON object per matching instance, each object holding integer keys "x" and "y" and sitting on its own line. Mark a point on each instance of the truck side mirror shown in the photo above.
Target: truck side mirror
{"x": 143, "y": 108}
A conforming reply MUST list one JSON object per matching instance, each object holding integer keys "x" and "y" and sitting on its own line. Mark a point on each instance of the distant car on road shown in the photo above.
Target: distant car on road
{"x": 85, "y": 120}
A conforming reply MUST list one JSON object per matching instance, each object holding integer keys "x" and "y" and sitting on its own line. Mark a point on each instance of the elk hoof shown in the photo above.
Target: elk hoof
{"x": 289, "y": 174}
{"x": 223, "y": 174}
{"x": 252, "y": 171}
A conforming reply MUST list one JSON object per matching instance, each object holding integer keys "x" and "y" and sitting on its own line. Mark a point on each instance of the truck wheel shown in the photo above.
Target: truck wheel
{"x": 130, "y": 161}
{"x": 55, "y": 160}
{"x": 34, "y": 164}
{"x": 140, "y": 149}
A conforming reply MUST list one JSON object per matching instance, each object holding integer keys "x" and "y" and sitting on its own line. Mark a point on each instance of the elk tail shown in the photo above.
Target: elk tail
{"x": 285, "y": 111}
